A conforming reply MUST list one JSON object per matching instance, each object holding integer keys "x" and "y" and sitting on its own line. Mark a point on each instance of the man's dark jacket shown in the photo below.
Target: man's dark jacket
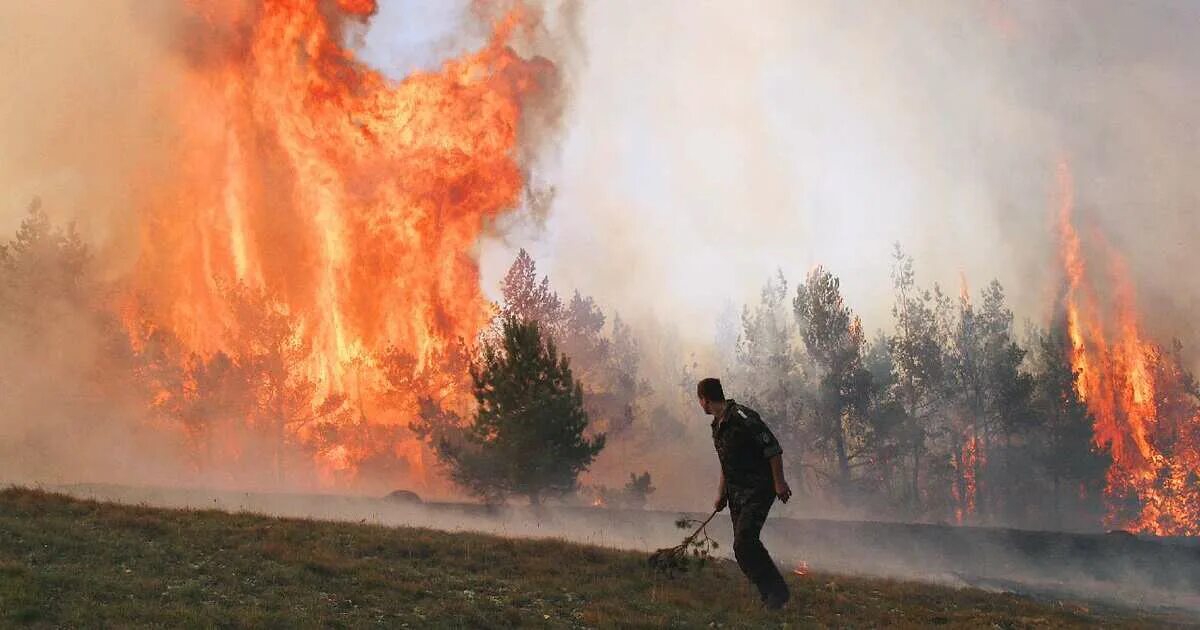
{"x": 745, "y": 446}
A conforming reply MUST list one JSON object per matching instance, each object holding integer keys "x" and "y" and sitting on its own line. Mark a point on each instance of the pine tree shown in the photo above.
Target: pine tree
{"x": 916, "y": 349}
{"x": 48, "y": 331}
{"x": 888, "y": 421}
{"x": 528, "y": 435}
{"x": 725, "y": 336}
{"x": 771, "y": 375}
{"x": 528, "y": 299}
{"x": 638, "y": 490}
{"x": 582, "y": 337}
{"x": 281, "y": 396}
{"x": 1075, "y": 466}
{"x": 1008, "y": 392}
{"x": 833, "y": 336}
{"x": 626, "y": 386}
{"x": 44, "y": 276}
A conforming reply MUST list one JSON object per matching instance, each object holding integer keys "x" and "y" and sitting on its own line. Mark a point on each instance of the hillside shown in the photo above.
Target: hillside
{"x": 67, "y": 562}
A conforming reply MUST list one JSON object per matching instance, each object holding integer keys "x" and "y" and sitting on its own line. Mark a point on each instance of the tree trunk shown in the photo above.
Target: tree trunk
{"x": 916, "y": 474}
{"x": 982, "y": 449}
{"x": 1006, "y": 510}
{"x": 839, "y": 445}
{"x": 960, "y": 483}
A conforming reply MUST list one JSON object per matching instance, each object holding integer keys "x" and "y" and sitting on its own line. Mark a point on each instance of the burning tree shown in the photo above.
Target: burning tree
{"x": 353, "y": 201}
{"x": 240, "y": 410}
{"x": 527, "y": 437}
{"x": 1143, "y": 402}
{"x": 1075, "y": 465}
{"x": 987, "y": 397}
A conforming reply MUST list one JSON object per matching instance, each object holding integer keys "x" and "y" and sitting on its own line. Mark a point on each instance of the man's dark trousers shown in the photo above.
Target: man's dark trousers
{"x": 749, "y": 513}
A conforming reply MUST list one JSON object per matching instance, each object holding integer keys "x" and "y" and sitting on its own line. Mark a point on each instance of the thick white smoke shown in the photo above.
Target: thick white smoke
{"x": 713, "y": 142}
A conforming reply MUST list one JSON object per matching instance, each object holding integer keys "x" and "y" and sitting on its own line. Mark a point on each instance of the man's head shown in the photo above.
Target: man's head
{"x": 712, "y": 397}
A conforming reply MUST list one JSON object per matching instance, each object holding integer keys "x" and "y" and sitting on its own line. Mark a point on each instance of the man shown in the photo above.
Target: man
{"x": 751, "y": 479}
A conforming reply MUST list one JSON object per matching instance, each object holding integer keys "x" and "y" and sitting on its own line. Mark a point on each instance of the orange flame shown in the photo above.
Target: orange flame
{"x": 1119, "y": 380}
{"x": 354, "y": 203}
{"x": 968, "y": 463}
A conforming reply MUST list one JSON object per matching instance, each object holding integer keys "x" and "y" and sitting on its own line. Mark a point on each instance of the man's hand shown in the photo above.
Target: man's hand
{"x": 721, "y": 502}
{"x": 782, "y": 490}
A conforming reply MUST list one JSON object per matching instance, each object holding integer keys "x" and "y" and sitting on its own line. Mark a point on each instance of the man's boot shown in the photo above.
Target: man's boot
{"x": 777, "y": 597}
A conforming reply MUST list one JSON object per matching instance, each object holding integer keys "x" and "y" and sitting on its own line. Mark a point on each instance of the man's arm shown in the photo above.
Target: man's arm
{"x": 781, "y": 486}
{"x": 772, "y": 451}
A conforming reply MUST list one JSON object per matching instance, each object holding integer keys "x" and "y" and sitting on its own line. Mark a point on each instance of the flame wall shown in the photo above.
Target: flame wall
{"x": 1126, "y": 380}
{"x": 355, "y": 201}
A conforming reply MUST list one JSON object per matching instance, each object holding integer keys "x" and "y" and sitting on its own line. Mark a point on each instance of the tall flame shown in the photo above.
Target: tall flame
{"x": 353, "y": 202}
{"x": 1122, "y": 378}
{"x": 968, "y": 463}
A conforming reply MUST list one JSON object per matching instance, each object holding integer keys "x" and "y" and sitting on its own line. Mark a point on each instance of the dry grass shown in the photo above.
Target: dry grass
{"x": 66, "y": 562}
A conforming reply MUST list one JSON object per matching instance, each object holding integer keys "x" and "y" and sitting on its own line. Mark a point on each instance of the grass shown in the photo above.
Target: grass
{"x": 67, "y": 562}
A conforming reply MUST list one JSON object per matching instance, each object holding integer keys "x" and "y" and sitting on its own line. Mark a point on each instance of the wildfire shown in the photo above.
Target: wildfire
{"x": 332, "y": 211}
{"x": 1125, "y": 381}
{"x": 968, "y": 463}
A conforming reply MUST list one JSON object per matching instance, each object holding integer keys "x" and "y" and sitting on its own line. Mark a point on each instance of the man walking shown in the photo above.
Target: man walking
{"x": 751, "y": 479}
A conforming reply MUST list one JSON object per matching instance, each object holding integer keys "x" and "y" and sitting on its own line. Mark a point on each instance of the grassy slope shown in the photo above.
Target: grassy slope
{"x": 71, "y": 562}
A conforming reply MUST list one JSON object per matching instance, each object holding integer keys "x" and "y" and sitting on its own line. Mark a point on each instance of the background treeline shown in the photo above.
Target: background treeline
{"x": 949, "y": 414}
{"x": 92, "y": 389}
{"x": 945, "y": 413}
{"x": 949, "y": 417}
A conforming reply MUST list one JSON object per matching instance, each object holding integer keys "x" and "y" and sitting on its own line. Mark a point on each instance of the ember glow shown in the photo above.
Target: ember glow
{"x": 328, "y": 217}
{"x": 1133, "y": 387}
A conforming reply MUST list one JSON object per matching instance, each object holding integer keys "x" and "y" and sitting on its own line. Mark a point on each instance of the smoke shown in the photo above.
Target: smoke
{"x": 711, "y": 143}
{"x": 85, "y": 90}
{"x": 706, "y": 144}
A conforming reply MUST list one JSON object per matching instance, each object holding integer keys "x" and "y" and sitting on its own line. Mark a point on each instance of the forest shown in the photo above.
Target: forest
{"x": 947, "y": 413}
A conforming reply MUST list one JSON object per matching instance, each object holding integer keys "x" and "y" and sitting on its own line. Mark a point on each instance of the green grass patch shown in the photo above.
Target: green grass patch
{"x": 67, "y": 562}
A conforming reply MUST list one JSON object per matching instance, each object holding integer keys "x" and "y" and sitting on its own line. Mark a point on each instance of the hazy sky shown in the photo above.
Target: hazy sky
{"x": 707, "y": 143}
{"x": 710, "y": 142}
